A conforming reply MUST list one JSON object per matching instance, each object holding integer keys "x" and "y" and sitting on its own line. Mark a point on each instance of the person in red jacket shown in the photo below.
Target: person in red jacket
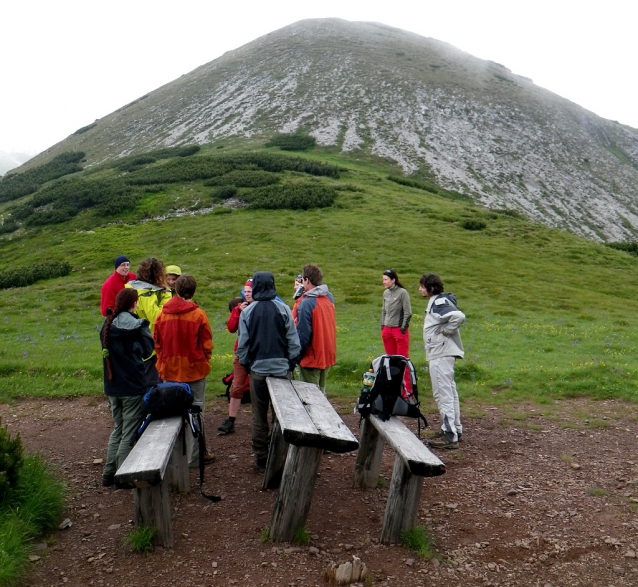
{"x": 115, "y": 283}
{"x": 317, "y": 328}
{"x": 184, "y": 346}
{"x": 240, "y": 375}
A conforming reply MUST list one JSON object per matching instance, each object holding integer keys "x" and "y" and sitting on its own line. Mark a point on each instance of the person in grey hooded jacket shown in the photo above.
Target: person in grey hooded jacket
{"x": 267, "y": 346}
{"x": 442, "y": 347}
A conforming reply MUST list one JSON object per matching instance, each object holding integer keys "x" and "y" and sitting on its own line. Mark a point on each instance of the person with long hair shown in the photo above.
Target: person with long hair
{"x": 154, "y": 292}
{"x": 126, "y": 344}
{"x": 395, "y": 318}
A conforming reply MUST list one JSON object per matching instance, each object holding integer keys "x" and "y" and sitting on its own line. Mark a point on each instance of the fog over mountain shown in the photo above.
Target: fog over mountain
{"x": 366, "y": 88}
{"x": 12, "y": 160}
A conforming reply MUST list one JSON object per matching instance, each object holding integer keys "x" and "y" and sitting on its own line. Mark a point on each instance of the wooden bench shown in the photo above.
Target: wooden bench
{"x": 412, "y": 462}
{"x": 156, "y": 464}
{"x": 306, "y": 425}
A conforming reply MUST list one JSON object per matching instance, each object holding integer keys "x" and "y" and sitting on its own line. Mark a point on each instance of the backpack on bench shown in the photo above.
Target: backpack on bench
{"x": 384, "y": 394}
{"x": 172, "y": 398}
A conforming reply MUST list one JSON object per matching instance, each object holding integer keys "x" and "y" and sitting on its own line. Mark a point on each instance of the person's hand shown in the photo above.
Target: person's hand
{"x": 243, "y": 306}
{"x": 402, "y": 330}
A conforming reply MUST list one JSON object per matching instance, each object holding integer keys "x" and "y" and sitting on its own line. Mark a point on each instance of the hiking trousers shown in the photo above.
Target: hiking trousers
{"x": 127, "y": 416}
{"x": 445, "y": 395}
{"x": 316, "y": 376}
{"x": 397, "y": 343}
{"x": 260, "y": 403}
{"x": 192, "y": 444}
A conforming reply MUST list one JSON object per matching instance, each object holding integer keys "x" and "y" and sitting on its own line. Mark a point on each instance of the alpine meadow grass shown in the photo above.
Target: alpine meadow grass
{"x": 549, "y": 315}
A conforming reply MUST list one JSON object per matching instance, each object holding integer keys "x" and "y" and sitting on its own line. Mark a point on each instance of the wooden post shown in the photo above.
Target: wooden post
{"x": 403, "y": 502}
{"x": 295, "y": 492}
{"x": 368, "y": 463}
{"x": 276, "y": 458}
{"x": 153, "y": 509}
{"x": 177, "y": 475}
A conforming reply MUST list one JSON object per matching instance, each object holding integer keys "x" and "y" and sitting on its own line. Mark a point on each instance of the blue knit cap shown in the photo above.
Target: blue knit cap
{"x": 121, "y": 259}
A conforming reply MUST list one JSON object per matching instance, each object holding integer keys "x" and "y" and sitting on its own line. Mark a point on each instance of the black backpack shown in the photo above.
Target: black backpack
{"x": 172, "y": 398}
{"x": 228, "y": 382}
{"x": 384, "y": 394}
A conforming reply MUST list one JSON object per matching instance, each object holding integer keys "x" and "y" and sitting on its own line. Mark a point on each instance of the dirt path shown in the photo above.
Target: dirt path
{"x": 542, "y": 503}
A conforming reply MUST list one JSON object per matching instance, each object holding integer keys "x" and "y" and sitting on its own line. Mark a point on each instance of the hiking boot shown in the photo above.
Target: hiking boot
{"x": 227, "y": 426}
{"x": 443, "y": 442}
{"x": 108, "y": 480}
{"x": 209, "y": 458}
{"x": 440, "y": 434}
{"x": 260, "y": 464}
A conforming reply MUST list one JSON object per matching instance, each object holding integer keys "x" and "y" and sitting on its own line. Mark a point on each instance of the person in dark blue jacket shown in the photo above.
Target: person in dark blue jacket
{"x": 127, "y": 343}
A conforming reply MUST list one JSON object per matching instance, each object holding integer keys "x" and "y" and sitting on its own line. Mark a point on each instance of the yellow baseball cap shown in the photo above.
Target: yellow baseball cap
{"x": 173, "y": 270}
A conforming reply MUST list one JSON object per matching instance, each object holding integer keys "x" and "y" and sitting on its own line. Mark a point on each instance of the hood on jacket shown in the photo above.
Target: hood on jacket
{"x": 178, "y": 305}
{"x": 264, "y": 286}
{"x": 128, "y": 321}
{"x": 140, "y": 284}
{"x": 318, "y": 291}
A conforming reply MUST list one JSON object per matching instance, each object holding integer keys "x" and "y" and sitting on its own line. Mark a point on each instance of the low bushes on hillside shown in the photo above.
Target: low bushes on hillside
{"x": 473, "y": 224}
{"x": 427, "y": 186}
{"x": 23, "y": 276}
{"x": 245, "y": 178}
{"x": 277, "y": 163}
{"x": 295, "y": 196}
{"x": 630, "y": 247}
{"x": 297, "y": 141}
{"x": 176, "y": 170}
{"x": 16, "y": 185}
{"x": 133, "y": 162}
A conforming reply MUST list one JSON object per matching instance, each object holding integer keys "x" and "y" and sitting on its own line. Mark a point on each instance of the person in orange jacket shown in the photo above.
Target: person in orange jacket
{"x": 317, "y": 328}
{"x": 184, "y": 346}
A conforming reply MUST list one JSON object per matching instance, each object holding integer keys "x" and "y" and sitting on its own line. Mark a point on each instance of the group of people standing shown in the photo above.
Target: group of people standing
{"x": 154, "y": 330}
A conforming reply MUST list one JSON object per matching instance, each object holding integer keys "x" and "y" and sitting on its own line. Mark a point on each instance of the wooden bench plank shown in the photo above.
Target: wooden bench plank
{"x": 404, "y": 443}
{"x": 146, "y": 463}
{"x": 335, "y": 435}
{"x": 296, "y": 425}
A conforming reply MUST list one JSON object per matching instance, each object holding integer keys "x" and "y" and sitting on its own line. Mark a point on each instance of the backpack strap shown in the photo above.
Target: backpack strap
{"x": 196, "y": 428}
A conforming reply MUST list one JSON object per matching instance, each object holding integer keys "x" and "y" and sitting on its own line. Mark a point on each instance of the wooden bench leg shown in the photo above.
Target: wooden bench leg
{"x": 276, "y": 458}
{"x": 368, "y": 463}
{"x": 177, "y": 475}
{"x": 295, "y": 492}
{"x": 153, "y": 509}
{"x": 403, "y": 502}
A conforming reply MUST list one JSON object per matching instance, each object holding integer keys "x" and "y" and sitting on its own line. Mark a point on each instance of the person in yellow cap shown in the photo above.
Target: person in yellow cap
{"x": 172, "y": 273}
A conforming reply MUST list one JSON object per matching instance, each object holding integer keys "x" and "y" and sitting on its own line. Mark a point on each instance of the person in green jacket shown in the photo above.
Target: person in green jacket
{"x": 153, "y": 292}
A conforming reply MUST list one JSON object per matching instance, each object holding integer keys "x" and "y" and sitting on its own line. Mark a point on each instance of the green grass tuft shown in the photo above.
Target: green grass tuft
{"x": 301, "y": 536}
{"x": 141, "y": 539}
{"x": 265, "y": 534}
{"x": 597, "y": 492}
{"x": 420, "y": 540}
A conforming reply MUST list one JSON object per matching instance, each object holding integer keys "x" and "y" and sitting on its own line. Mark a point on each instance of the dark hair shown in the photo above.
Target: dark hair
{"x": 153, "y": 271}
{"x": 392, "y": 274}
{"x": 234, "y": 302}
{"x": 313, "y": 274}
{"x": 432, "y": 282}
{"x": 124, "y": 301}
{"x": 185, "y": 286}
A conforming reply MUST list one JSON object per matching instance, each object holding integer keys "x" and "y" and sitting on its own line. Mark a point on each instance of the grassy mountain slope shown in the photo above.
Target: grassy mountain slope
{"x": 369, "y": 89}
{"x": 550, "y": 315}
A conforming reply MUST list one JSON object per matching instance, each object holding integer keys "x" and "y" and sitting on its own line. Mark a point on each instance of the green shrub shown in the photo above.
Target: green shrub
{"x": 630, "y": 247}
{"x": 414, "y": 183}
{"x": 276, "y": 163}
{"x": 294, "y": 196}
{"x": 86, "y": 128}
{"x": 224, "y": 192}
{"x": 9, "y": 225}
{"x": 16, "y": 185}
{"x": 473, "y": 224}
{"x": 301, "y": 536}
{"x": 10, "y": 462}
{"x": 297, "y": 141}
{"x": 23, "y": 276}
{"x": 420, "y": 541}
{"x": 245, "y": 178}
{"x": 177, "y": 170}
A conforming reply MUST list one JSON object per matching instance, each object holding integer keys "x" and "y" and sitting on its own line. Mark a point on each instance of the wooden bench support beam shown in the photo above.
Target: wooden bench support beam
{"x": 277, "y": 453}
{"x": 368, "y": 463}
{"x": 403, "y": 503}
{"x": 177, "y": 474}
{"x": 153, "y": 509}
{"x": 295, "y": 492}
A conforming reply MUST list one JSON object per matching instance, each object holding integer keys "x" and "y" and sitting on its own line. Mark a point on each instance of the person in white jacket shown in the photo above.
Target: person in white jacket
{"x": 442, "y": 347}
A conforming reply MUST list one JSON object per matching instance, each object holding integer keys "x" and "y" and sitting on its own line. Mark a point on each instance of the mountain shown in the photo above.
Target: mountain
{"x": 368, "y": 89}
{"x": 12, "y": 160}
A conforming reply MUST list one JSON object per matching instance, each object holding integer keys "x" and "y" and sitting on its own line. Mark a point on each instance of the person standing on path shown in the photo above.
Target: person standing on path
{"x": 115, "y": 283}
{"x": 126, "y": 344}
{"x": 184, "y": 346}
{"x": 442, "y": 347}
{"x": 267, "y": 346}
{"x": 239, "y": 373}
{"x": 317, "y": 328}
{"x": 395, "y": 319}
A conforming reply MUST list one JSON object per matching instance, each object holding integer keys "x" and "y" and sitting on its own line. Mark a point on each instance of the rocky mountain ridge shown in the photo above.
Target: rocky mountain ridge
{"x": 468, "y": 124}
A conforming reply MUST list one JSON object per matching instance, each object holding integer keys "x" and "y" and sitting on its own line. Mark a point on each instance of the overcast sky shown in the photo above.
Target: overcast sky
{"x": 64, "y": 63}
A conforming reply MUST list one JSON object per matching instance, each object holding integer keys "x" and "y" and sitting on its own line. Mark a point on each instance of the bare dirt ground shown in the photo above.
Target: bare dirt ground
{"x": 528, "y": 500}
